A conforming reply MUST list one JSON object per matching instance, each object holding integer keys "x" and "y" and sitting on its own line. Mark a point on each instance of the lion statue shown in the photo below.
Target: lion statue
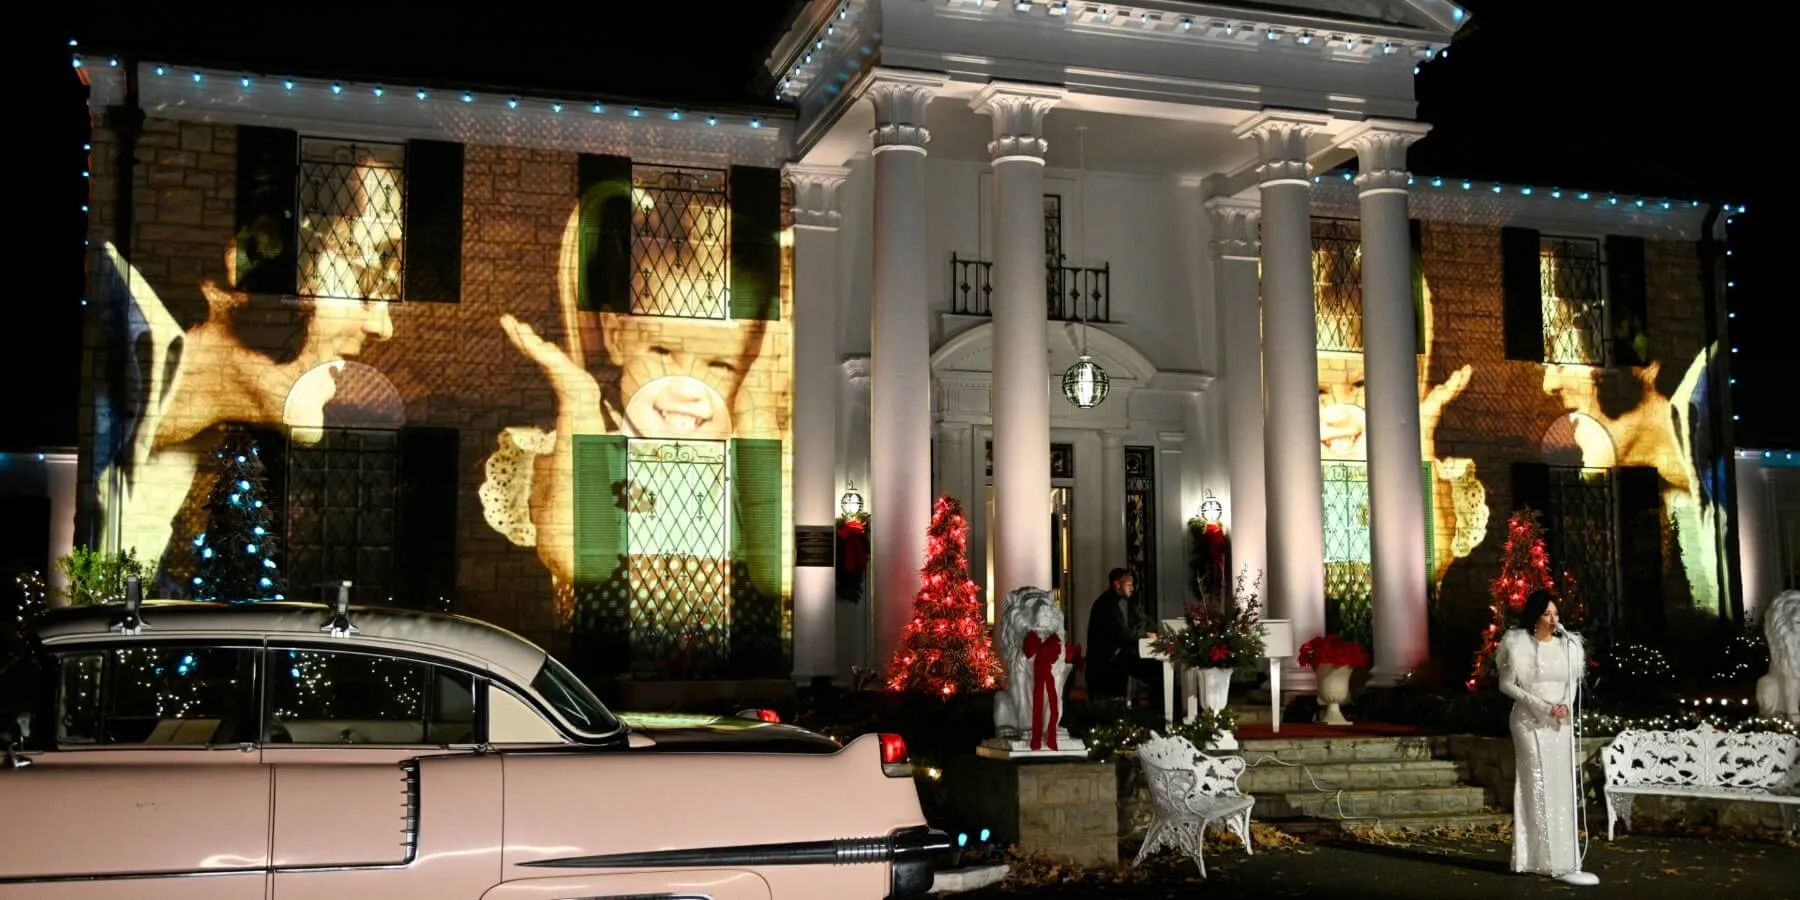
{"x": 1778, "y": 693}
{"x": 1026, "y": 610}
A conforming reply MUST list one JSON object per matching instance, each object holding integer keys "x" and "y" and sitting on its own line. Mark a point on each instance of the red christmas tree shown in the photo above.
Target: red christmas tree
{"x": 946, "y": 647}
{"x": 1524, "y": 568}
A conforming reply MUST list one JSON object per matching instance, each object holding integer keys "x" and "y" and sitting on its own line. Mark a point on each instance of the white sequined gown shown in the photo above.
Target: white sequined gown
{"x": 1539, "y": 675}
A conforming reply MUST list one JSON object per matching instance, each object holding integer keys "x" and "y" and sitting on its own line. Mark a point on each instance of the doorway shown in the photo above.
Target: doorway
{"x": 1062, "y": 550}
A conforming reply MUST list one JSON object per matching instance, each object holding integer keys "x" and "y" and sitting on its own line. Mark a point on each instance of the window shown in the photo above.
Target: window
{"x": 334, "y": 697}
{"x": 342, "y": 494}
{"x": 169, "y": 694}
{"x": 1574, "y": 309}
{"x": 678, "y": 518}
{"x": 351, "y": 219}
{"x": 680, "y": 248}
{"x": 572, "y": 700}
{"x": 1337, "y": 283}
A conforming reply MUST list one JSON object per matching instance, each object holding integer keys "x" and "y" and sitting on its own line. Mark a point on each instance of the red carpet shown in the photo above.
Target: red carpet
{"x": 1297, "y": 730}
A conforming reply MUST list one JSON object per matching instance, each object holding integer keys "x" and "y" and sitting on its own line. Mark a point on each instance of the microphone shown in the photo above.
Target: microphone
{"x": 1559, "y": 632}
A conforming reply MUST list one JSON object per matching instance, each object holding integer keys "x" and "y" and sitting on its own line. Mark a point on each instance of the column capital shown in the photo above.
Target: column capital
{"x": 900, "y": 98}
{"x": 856, "y": 369}
{"x": 1235, "y": 227}
{"x": 1280, "y": 137}
{"x": 1018, "y": 113}
{"x": 1112, "y": 440}
{"x": 815, "y": 194}
{"x": 1381, "y": 146}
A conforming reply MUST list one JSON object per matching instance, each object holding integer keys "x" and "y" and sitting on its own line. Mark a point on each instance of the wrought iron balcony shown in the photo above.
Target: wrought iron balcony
{"x": 1071, "y": 293}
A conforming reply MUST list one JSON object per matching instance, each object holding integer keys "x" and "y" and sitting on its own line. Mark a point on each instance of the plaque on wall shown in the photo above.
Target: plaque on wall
{"x": 815, "y": 546}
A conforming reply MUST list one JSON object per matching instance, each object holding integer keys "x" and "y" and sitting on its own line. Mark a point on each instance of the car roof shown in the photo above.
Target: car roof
{"x": 454, "y": 637}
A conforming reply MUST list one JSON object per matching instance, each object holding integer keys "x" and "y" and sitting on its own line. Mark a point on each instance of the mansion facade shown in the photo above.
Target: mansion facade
{"x": 611, "y": 375}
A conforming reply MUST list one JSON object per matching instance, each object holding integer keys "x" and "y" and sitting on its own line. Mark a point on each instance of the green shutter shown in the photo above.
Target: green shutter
{"x": 1626, "y": 300}
{"x": 1522, "y": 293}
{"x": 755, "y": 243}
{"x": 434, "y": 221}
{"x": 602, "y": 579}
{"x": 605, "y": 204}
{"x": 1641, "y": 551}
{"x": 1531, "y": 486}
{"x": 425, "y": 539}
{"x": 757, "y": 642}
{"x": 268, "y": 186}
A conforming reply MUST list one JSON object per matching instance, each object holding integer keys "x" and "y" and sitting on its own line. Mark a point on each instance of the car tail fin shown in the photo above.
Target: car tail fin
{"x": 761, "y": 715}
{"x": 895, "y": 762}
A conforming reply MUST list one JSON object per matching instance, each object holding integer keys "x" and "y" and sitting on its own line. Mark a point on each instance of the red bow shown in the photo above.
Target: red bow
{"x": 854, "y": 537}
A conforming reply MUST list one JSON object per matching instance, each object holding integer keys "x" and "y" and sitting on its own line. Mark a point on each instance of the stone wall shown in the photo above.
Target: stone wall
{"x": 1063, "y": 809}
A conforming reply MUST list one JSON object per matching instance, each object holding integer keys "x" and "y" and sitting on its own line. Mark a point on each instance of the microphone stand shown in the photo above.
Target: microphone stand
{"x": 1576, "y": 877}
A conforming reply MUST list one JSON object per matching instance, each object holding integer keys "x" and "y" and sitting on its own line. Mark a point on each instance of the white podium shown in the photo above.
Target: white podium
{"x": 1278, "y": 644}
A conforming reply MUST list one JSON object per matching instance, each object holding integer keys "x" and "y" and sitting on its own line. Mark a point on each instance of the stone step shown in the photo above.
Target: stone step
{"x": 1334, "y": 749}
{"x": 1429, "y": 822}
{"x": 1273, "y": 777}
{"x": 1357, "y": 804}
{"x": 1252, "y": 713}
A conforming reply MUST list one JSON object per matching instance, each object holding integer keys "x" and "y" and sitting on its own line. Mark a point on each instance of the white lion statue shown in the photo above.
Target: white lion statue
{"x": 1026, "y": 610}
{"x": 1778, "y": 693}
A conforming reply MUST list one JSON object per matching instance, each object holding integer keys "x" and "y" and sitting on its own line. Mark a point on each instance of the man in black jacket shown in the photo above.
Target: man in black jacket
{"x": 1114, "y": 625}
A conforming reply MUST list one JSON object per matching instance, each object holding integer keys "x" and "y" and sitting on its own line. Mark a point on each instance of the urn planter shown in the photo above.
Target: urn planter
{"x": 1334, "y": 688}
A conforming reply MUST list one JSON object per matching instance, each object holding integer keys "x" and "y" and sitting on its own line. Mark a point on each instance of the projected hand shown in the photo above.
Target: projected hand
{"x": 1445, "y": 473}
{"x": 1432, "y": 405}
{"x": 577, "y": 393}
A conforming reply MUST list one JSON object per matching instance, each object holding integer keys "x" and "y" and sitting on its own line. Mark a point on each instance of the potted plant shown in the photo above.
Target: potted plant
{"x": 1216, "y": 641}
{"x": 1334, "y": 658}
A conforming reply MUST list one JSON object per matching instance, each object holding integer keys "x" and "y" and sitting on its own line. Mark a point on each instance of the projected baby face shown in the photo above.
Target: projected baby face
{"x": 1342, "y": 421}
{"x": 678, "y": 378}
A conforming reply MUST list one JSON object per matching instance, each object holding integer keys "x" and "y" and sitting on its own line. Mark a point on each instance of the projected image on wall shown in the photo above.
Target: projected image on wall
{"x": 1592, "y": 411}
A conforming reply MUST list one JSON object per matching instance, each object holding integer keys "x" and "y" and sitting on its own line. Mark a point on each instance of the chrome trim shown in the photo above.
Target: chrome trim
{"x": 835, "y": 852}
{"x": 130, "y": 876}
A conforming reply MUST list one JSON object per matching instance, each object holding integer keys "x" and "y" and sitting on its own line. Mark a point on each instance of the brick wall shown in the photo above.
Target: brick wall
{"x": 450, "y": 363}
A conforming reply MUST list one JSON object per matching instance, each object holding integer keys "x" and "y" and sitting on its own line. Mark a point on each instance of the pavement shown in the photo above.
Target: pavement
{"x": 1383, "y": 868}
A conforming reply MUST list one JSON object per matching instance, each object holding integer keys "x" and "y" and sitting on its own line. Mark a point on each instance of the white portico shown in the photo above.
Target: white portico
{"x": 1026, "y": 178}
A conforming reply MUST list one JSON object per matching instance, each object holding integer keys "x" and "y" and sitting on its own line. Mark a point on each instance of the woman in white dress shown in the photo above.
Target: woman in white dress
{"x": 1540, "y": 669}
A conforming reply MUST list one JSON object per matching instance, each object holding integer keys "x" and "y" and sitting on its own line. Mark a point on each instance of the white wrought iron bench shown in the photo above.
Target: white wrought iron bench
{"x": 1703, "y": 763}
{"x": 1190, "y": 791}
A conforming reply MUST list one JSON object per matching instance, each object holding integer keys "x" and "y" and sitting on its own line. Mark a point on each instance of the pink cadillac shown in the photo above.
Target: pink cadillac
{"x": 305, "y": 752}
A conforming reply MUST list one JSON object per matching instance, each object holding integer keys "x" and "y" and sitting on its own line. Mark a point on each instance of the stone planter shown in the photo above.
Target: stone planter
{"x": 1215, "y": 693}
{"x": 1334, "y": 689}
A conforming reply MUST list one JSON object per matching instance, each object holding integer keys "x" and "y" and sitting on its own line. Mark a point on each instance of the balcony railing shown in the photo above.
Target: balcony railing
{"x": 1071, "y": 293}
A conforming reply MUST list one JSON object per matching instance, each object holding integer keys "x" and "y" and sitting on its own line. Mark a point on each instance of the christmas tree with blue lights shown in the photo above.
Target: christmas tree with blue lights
{"x": 236, "y": 552}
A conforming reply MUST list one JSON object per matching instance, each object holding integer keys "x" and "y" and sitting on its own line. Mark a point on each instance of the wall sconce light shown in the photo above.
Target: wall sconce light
{"x": 1212, "y": 509}
{"x": 851, "y": 504}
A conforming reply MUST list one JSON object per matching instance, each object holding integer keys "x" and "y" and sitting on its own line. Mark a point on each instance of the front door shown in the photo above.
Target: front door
{"x": 1062, "y": 551}
{"x": 152, "y": 777}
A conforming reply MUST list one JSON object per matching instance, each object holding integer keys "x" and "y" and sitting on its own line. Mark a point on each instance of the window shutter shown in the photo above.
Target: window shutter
{"x": 268, "y": 186}
{"x": 757, "y": 645}
{"x": 755, "y": 243}
{"x": 1522, "y": 290}
{"x": 1626, "y": 300}
{"x": 1531, "y": 487}
{"x": 1640, "y": 550}
{"x": 602, "y": 575}
{"x": 1415, "y": 231}
{"x": 426, "y": 542}
{"x": 434, "y": 221}
{"x": 605, "y": 204}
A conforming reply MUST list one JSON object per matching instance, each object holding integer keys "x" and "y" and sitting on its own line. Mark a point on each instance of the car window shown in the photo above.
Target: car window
{"x": 336, "y": 697}
{"x": 572, "y": 700}
{"x": 160, "y": 694}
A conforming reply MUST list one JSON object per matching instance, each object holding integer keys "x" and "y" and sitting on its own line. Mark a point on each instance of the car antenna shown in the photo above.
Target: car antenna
{"x": 128, "y": 621}
{"x": 340, "y": 624}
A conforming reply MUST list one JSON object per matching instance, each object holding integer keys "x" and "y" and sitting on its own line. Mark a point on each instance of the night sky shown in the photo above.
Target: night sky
{"x": 1585, "y": 94}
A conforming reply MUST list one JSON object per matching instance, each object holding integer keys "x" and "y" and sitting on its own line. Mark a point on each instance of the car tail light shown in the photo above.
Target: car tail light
{"x": 761, "y": 715}
{"x": 894, "y": 759}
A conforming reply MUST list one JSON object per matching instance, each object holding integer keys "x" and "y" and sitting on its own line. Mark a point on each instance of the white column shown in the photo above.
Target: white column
{"x": 1236, "y": 249}
{"x": 1112, "y": 500}
{"x": 1295, "y": 586}
{"x": 1391, "y": 396}
{"x": 1172, "y": 595}
{"x": 816, "y": 360}
{"x": 899, "y": 492}
{"x": 1021, "y": 362}
{"x": 953, "y": 463}
{"x": 854, "y": 620}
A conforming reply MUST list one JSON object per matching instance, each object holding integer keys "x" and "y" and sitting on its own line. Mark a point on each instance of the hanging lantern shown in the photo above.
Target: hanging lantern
{"x": 1085, "y": 384}
{"x": 1211, "y": 509}
{"x": 851, "y": 504}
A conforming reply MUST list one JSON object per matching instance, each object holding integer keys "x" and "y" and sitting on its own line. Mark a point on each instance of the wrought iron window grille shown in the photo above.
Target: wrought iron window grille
{"x": 1574, "y": 302}
{"x": 1337, "y": 283}
{"x": 680, "y": 242}
{"x": 351, "y": 205}
{"x": 1071, "y": 293}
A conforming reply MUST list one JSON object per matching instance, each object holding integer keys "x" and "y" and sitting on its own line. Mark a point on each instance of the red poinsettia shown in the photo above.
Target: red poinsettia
{"x": 1332, "y": 650}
